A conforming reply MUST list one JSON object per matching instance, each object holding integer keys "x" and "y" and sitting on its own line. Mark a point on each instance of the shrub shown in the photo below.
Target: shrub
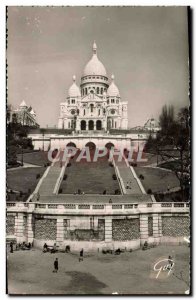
{"x": 134, "y": 164}
{"x": 29, "y": 191}
{"x": 117, "y": 192}
{"x": 141, "y": 177}
{"x": 111, "y": 164}
{"x": 60, "y": 191}
{"x": 21, "y": 193}
{"x": 114, "y": 177}
{"x": 65, "y": 177}
{"x": 69, "y": 164}
{"x": 38, "y": 176}
{"x": 149, "y": 191}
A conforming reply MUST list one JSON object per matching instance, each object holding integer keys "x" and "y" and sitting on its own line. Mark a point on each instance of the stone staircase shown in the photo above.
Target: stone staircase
{"x": 48, "y": 184}
{"x": 127, "y": 176}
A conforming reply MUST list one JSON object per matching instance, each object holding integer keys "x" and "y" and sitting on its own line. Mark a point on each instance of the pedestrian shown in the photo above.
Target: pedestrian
{"x": 127, "y": 185}
{"x": 56, "y": 265}
{"x": 38, "y": 196}
{"x": 170, "y": 261}
{"x": 11, "y": 247}
{"x": 168, "y": 187}
{"x": 110, "y": 201}
{"x": 81, "y": 255}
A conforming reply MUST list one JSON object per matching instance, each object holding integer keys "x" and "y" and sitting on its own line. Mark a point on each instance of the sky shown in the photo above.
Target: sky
{"x": 146, "y": 48}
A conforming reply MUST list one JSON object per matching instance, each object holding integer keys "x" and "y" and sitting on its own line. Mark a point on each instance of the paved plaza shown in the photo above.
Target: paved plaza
{"x": 30, "y": 272}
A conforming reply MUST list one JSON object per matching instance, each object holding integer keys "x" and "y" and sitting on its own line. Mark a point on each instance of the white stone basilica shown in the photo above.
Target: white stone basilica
{"x": 96, "y": 105}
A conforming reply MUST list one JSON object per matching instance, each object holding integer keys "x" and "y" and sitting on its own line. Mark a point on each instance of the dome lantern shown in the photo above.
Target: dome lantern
{"x": 94, "y": 66}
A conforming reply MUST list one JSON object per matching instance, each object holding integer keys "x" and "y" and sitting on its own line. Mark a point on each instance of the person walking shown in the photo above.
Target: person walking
{"x": 56, "y": 265}
{"x": 81, "y": 255}
{"x": 11, "y": 247}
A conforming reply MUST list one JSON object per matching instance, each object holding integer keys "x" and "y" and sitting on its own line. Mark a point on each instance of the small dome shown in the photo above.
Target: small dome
{"x": 94, "y": 66}
{"x": 74, "y": 90}
{"x": 23, "y": 104}
{"x": 113, "y": 91}
{"x": 32, "y": 112}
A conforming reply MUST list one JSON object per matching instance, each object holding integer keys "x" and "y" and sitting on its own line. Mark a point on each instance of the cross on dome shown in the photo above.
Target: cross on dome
{"x": 94, "y": 48}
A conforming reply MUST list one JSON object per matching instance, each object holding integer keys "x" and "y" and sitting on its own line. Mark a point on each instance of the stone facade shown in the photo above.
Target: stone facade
{"x": 96, "y": 105}
{"x": 92, "y": 227}
{"x": 10, "y": 224}
{"x": 45, "y": 229}
{"x": 150, "y": 226}
{"x": 175, "y": 226}
{"x": 125, "y": 230}
{"x": 24, "y": 115}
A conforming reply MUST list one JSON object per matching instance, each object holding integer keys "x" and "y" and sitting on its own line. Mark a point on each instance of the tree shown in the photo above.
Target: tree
{"x": 173, "y": 143}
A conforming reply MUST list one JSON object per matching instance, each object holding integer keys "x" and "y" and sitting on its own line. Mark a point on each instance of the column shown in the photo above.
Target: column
{"x": 156, "y": 232}
{"x": 108, "y": 229}
{"x": 95, "y": 125}
{"x": 143, "y": 228}
{"x": 19, "y": 228}
{"x": 30, "y": 234}
{"x": 60, "y": 231}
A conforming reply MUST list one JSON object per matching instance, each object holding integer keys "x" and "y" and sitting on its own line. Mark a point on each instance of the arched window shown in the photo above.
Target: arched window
{"x": 72, "y": 123}
{"x": 101, "y": 91}
{"x": 99, "y": 112}
{"x": 91, "y": 108}
{"x": 84, "y": 112}
{"x": 86, "y": 91}
{"x": 98, "y": 90}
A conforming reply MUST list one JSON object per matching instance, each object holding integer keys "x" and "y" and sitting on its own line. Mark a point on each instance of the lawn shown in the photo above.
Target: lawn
{"x": 171, "y": 165}
{"x": 39, "y": 158}
{"x": 157, "y": 179}
{"x": 30, "y": 272}
{"x": 90, "y": 177}
{"x": 23, "y": 179}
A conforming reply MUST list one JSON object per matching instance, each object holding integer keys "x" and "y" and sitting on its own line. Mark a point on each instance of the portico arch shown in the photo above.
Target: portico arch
{"x": 71, "y": 144}
{"x": 91, "y": 146}
{"x": 109, "y": 145}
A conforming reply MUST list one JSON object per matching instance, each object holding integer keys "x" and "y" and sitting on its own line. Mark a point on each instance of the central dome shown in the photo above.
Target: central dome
{"x": 94, "y": 66}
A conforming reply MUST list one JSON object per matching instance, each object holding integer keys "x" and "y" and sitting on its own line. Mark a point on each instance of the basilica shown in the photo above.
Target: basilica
{"x": 95, "y": 105}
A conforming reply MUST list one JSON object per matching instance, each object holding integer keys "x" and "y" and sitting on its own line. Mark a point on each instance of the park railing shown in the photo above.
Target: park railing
{"x": 99, "y": 208}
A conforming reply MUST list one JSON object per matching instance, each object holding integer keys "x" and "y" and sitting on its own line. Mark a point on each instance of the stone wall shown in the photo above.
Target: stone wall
{"x": 45, "y": 229}
{"x": 85, "y": 234}
{"x": 10, "y": 224}
{"x": 123, "y": 229}
{"x": 175, "y": 226}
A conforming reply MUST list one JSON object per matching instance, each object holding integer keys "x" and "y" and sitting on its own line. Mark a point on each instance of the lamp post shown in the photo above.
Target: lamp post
{"x": 22, "y": 141}
{"x": 43, "y": 139}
